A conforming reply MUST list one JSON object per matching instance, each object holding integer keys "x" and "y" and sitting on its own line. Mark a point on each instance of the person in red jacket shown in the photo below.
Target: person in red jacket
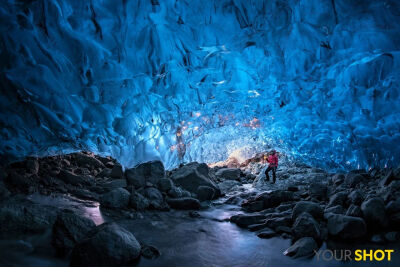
{"x": 272, "y": 159}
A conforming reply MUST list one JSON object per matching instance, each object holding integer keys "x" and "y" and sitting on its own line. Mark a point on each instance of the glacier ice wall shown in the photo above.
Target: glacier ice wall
{"x": 194, "y": 80}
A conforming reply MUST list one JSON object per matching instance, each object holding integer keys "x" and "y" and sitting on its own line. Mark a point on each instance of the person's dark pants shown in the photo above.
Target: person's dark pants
{"x": 273, "y": 169}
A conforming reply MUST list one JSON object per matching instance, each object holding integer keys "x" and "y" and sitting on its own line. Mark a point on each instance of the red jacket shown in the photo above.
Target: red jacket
{"x": 273, "y": 160}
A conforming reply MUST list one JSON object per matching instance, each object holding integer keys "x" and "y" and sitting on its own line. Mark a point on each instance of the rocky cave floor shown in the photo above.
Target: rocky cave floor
{"x": 81, "y": 209}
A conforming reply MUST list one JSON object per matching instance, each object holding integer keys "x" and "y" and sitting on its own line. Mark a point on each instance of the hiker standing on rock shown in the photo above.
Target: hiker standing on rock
{"x": 272, "y": 159}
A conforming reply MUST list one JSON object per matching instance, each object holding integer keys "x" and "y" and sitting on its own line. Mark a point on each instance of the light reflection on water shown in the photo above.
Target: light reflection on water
{"x": 86, "y": 208}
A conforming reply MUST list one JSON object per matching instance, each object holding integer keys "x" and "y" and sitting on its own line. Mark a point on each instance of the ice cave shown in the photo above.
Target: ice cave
{"x": 122, "y": 120}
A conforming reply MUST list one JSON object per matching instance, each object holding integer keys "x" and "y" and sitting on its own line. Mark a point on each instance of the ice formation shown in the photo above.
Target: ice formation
{"x": 195, "y": 80}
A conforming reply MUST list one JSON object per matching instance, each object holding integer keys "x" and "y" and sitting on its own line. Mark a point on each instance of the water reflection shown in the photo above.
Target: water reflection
{"x": 87, "y": 208}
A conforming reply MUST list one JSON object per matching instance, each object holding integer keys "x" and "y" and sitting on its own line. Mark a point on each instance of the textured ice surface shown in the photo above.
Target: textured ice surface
{"x": 195, "y": 80}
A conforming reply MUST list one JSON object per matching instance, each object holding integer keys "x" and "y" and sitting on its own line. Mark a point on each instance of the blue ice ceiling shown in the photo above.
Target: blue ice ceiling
{"x": 185, "y": 80}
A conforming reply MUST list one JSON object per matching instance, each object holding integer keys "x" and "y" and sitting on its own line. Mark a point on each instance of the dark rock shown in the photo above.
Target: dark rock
{"x": 272, "y": 199}
{"x": 155, "y": 198}
{"x": 257, "y": 227}
{"x": 20, "y": 183}
{"x": 266, "y": 233}
{"x": 205, "y": 193}
{"x": 335, "y": 209}
{"x": 138, "y": 202}
{"x": 25, "y": 218}
{"x": 150, "y": 252}
{"x": 228, "y": 173}
{"x": 227, "y": 185}
{"x": 346, "y": 227}
{"x": 393, "y": 207}
{"x": 185, "y": 203}
{"x": 73, "y": 179}
{"x": 194, "y": 214}
{"x": 355, "y": 197}
{"x": 109, "y": 164}
{"x": 193, "y": 175}
{"x": 377, "y": 239}
{"x": 104, "y": 173}
{"x": 305, "y": 225}
{"x": 388, "y": 179}
{"x": 108, "y": 245}
{"x": 318, "y": 190}
{"x": 353, "y": 179}
{"x": 165, "y": 184}
{"x": 175, "y": 192}
{"x": 68, "y": 230}
{"x": 338, "y": 199}
{"x": 151, "y": 171}
{"x": 113, "y": 184}
{"x": 392, "y": 236}
{"x": 395, "y": 218}
{"x": 84, "y": 194}
{"x": 116, "y": 198}
{"x": 354, "y": 211}
{"x": 4, "y": 192}
{"x": 83, "y": 159}
{"x": 278, "y": 221}
{"x": 304, "y": 247}
{"x": 253, "y": 206}
{"x": 391, "y": 192}
{"x": 337, "y": 179}
{"x": 284, "y": 207}
{"x": 283, "y": 229}
{"x": 117, "y": 172}
{"x": 244, "y": 220}
{"x": 32, "y": 165}
{"x": 307, "y": 206}
{"x": 374, "y": 213}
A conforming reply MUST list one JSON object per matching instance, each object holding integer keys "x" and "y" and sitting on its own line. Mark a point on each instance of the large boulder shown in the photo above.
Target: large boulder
{"x": 335, "y": 209}
{"x": 205, "y": 193}
{"x": 307, "y": 206}
{"x": 151, "y": 171}
{"x": 244, "y": 220}
{"x": 354, "y": 211}
{"x": 227, "y": 185}
{"x": 318, "y": 190}
{"x": 25, "y": 218}
{"x": 68, "y": 230}
{"x": 165, "y": 184}
{"x": 117, "y": 198}
{"x": 185, "y": 203}
{"x": 356, "y": 197}
{"x": 117, "y": 172}
{"x": 193, "y": 175}
{"x": 138, "y": 202}
{"x": 228, "y": 173}
{"x": 113, "y": 184}
{"x": 338, "y": 199}
{"x": 271, "y": 199}
{"x": 107, "y": 245}
{"x": 156, "y": 199}
{"x": 337, "y": 179}
{"x": 353, "y": 179}
{"x": 388, "y": 178}
{"x": 346, "y": 227}
{"x": 305, "y": 225}
{"x": 374, "y": 213}
{"x": 304, "y": 247}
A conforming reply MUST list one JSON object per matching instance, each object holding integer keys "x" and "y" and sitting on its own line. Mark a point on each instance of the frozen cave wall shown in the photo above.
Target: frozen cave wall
{"x": 184, "y": 80}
